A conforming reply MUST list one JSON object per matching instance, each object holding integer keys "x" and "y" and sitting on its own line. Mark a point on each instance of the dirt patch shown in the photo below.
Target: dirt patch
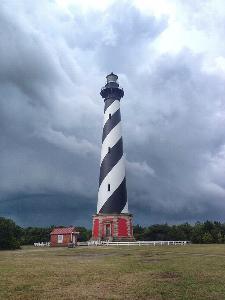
{"x": 88, "y": 255}
{"x": 153, "y": 260}
{"x": 168, "y": 275}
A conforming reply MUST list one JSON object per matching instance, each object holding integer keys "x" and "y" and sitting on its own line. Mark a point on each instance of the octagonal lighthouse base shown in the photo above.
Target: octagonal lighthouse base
{"x": 112, "y": 227}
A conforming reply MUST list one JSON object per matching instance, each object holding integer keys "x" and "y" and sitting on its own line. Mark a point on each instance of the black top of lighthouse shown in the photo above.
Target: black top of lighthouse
{"x": 111, "y": 88}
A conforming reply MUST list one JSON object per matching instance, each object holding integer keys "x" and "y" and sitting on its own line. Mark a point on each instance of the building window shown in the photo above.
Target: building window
{"x": 108, "y": 187}
{"x": 109, "y": 149}
{"x": 60, "y": 238}
{"x": 110, "y": 116}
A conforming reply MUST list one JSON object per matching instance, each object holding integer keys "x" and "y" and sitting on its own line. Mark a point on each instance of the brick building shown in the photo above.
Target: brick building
{"x": 62, "y": 237}
{"x": 112, "y": 227}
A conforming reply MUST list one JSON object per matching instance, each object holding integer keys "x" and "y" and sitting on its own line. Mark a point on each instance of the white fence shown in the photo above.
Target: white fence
{"x": 42, "y": 244}
{"x": 108, "y": 243}
{"x": 136, "y": 243}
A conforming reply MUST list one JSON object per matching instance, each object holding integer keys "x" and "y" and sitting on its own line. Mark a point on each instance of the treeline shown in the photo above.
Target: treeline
{"x": 13, "y": 236}
{"x": 200, "y": 233}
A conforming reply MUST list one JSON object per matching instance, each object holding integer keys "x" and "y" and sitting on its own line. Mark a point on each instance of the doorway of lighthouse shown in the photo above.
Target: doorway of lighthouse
{"x": 108, "y": 230}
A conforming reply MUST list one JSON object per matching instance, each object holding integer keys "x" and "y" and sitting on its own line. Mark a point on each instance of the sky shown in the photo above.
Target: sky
{"x": 170, "y": 59}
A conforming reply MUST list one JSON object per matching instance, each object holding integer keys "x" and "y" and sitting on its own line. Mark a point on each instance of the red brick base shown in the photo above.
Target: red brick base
{"x": 115, "y": 227}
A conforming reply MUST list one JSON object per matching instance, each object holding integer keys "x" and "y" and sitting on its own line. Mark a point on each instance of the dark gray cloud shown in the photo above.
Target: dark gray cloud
{"x": 181, "y": 138}
{"x": 52, "y": 66}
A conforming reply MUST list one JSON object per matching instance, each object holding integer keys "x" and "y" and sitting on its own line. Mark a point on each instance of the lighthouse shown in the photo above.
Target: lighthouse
{"x": 112, "y": 220}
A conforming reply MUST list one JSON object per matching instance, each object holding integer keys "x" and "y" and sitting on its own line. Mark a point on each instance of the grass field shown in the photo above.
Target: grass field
{"x": 146, "y": 272}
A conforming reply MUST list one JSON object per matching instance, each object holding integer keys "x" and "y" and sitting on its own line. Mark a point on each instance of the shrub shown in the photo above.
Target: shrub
{"x": 10, "y": 234}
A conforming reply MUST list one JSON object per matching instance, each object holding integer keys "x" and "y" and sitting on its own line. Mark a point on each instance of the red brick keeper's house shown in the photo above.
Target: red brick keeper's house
{"x": 63, "y": 237}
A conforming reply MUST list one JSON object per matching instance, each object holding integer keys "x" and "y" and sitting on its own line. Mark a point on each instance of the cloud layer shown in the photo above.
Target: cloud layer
{"x": 53, "y": 60}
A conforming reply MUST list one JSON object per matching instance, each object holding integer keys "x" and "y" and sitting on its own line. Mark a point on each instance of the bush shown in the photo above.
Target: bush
{"x": 10, "y": 234}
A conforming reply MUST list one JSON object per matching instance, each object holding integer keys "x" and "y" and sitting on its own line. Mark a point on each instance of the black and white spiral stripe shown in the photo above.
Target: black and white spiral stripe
{"x": 112, "y": 194}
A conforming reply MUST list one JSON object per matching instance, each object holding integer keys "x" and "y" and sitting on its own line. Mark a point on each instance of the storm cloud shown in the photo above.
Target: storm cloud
{"x": 53, "y": 61}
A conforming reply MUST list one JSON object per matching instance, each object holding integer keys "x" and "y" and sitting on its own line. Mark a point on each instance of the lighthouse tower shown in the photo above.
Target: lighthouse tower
{"x": 112, "y": 221}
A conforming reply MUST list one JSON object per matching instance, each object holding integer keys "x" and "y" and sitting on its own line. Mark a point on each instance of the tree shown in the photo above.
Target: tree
{"x": 138, "y": 232}
{"x": 220, "y": 238}
{"x": 197, "y": 233}
{"x": 207, "y": 238}
{"x": 10, "y": 234}
{"x": 35, "y": 234}
{"x": 158, "y": 232}
{"x": 84, "y": 234}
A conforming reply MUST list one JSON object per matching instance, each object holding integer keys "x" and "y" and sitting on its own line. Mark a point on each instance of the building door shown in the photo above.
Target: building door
{"x": 108, "y": 230}
{"x": 60, "y": 238}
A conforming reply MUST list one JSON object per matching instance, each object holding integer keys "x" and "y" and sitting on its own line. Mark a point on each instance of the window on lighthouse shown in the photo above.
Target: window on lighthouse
{"x": 110, "y": 116}
{"x": 109, "y": 149}
{"x": 108, "y": 187}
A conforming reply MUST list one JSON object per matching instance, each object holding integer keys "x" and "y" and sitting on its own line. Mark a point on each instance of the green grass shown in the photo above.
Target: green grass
{"x": 146, "y": 272}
